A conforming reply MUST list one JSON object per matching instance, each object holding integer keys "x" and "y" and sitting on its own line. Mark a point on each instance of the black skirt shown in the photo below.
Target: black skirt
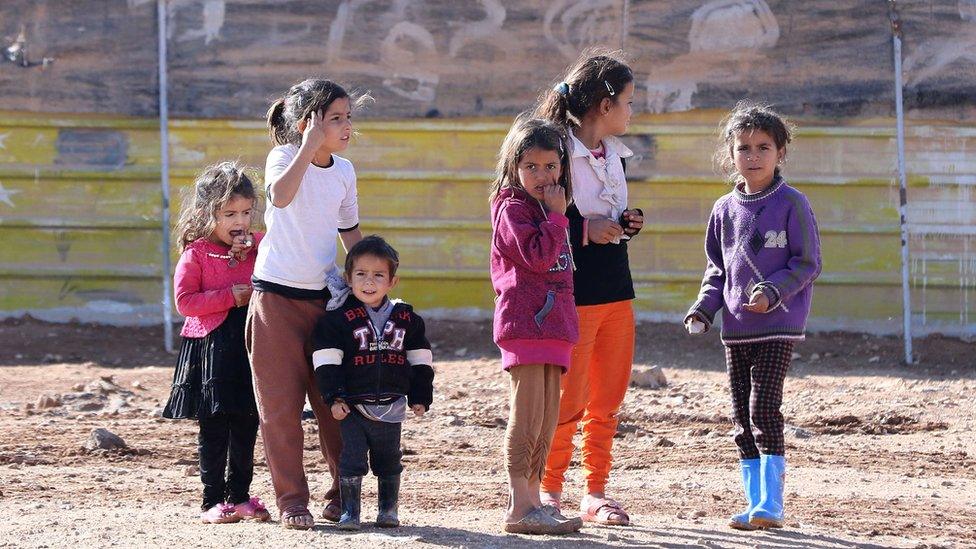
{"x": 213, "y": 375}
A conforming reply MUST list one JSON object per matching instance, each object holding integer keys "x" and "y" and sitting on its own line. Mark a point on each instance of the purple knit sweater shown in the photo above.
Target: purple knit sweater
{"x": 768, "y": 240}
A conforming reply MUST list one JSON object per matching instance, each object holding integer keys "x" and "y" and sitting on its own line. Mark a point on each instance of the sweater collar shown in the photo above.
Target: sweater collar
{"x": 741, "y": 195}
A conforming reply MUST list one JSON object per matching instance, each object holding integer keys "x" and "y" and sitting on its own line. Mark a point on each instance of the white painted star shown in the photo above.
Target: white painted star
{"x": 5, "y": 195}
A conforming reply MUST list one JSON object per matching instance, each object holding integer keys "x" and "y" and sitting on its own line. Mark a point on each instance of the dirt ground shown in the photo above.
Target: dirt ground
{"x": 880, "y": 454}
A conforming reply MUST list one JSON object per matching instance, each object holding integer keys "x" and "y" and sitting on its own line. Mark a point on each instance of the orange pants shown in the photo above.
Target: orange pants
{"x": 591, "y": 393}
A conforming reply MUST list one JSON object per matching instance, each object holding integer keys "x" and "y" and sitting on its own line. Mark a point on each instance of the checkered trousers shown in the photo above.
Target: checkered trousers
{"x": 756, "y": 374}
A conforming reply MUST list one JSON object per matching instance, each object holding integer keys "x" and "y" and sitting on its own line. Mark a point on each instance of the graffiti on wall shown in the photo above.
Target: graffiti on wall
{"x": 726, "y": 38}
{"x": 410, "y": 62}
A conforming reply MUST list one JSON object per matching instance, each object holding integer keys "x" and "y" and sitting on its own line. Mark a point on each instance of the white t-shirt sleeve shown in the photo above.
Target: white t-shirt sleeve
{"x": 279, "y": 159}
{"x": 349, "y": 208}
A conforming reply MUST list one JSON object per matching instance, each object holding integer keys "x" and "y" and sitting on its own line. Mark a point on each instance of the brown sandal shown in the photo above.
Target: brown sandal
{"x": 332, "y": 511}
{"x": 605, "y": 511}
{"x": 295, "y": 512}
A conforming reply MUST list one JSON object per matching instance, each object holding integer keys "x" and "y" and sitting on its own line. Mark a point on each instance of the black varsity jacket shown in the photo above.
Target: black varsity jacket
{"x": 355, "y": 363}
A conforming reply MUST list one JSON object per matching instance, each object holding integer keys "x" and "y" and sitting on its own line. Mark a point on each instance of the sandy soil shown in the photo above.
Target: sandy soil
{"x": 880, "y": 454}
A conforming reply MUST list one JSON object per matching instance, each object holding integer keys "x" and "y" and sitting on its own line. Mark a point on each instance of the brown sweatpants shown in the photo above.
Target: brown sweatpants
{"x": 278, "y": 344}
{"x": 532, "y": 417}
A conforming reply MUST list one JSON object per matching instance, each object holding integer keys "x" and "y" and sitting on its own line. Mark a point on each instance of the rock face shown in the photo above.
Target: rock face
{"x": 648, "y": 378}
{"x": 103, "y": 439}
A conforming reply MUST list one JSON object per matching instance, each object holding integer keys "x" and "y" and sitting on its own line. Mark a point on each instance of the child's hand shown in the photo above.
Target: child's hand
{"x": 554, "y": 197}
{"x": 340, "y": 410}
{"x": 242, "y": 293}
{"x": 418, "y": 409}
{"x": 242, "y": 244}
{"x": 758, "y": 302}
{"x": 694, "y": 324}
{"x": 602, "y": 231}
{"x": 313, "y": 134}
{"x": 634, "y": 221}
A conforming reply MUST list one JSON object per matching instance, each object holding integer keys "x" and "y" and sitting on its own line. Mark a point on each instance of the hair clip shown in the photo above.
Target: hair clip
{"x": 609, "y": 89}
{"x": 561, "y": 88}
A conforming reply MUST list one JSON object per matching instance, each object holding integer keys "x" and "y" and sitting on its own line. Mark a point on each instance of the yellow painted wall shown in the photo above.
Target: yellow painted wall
{"x": 80, "y": 211}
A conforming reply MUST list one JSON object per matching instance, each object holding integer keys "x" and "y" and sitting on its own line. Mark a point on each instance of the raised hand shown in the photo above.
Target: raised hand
{"x": 313, "y": 133}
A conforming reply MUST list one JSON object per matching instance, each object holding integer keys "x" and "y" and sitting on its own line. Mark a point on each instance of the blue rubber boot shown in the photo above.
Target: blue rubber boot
{"x": 769, "y": 512}
{"x": 750, "y": 484}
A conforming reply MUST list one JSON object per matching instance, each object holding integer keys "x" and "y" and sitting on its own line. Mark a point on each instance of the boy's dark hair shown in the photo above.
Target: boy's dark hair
{"x": 373, "y": 245}
{"x": 598, "y": 73}
{"x": 750, "y": 116}
{"x": 299, "y": 102}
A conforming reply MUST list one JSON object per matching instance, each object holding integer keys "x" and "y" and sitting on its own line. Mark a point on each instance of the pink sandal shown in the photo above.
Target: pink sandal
{"x": 222, "y": 513}
{"x": 252, "y": 509}
{"x": 604, "y": 511}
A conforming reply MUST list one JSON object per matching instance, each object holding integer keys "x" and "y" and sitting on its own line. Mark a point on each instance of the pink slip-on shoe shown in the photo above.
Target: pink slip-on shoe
{"x": 221, "y": 513}
{"x": 252, "y": 509}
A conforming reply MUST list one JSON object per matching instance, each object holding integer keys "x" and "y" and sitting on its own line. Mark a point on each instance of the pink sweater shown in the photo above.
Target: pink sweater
{"x": 202, "y": 284}
{"x": 532, "y": 274}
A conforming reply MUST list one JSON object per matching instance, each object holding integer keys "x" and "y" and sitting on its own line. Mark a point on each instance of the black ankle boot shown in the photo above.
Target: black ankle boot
{"x": 389, "y": 493}
{"x": 349, "y": 492}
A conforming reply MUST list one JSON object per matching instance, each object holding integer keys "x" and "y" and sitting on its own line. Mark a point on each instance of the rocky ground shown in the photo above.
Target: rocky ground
{"x": 880, "y": 454}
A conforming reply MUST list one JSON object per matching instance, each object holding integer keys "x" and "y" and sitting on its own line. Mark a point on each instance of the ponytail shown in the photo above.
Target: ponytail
{"x": 277, "y": 125}
{"x": 554, "y": 106}
{"x": 598, "y": 74}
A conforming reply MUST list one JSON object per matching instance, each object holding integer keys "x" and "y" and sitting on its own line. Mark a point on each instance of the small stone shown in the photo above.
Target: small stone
{"x": 814, "y": 357}
{"x": 138, "y": 385}
{"x": 461, "y": 352}
{"x": 103, "y": 439}
{"x": 648, "y": 378}
{"x": 612, "y": 537}
{"x": 698, "y": 514}
{"x": 799, "y": 432}
{"x": 681, "y": 515}
{"x": 664, "y": 443}
{"x": 47, "y": 401}
{"x": 78, "y": 387}
{"x": 796, "y": 356}
{"x": 874, "y": 359}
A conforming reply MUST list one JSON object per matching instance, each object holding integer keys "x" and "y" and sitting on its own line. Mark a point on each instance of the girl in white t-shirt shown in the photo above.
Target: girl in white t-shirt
{"x": 311, "y": 199}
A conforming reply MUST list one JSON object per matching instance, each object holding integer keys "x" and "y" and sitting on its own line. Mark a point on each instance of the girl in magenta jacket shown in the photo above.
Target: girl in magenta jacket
{"x": 212, "y": 382}
{"x": 535, "y": 323}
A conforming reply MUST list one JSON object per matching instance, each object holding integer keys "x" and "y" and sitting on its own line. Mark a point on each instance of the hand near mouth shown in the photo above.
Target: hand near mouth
{"x": 554, "y": 198}
{"x": 243, "y": 241}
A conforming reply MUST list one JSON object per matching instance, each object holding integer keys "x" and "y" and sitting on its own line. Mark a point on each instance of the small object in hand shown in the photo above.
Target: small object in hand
{"x": 696, "y": 326}
{"x": 232, "y": 262}
{"x": 248, "y": 241}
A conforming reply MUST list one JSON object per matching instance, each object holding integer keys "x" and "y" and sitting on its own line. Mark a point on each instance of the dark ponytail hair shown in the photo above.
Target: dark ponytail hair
{"x": 299, "y": 102}
{"x": 750, "y": 116}
{"x": 596, "y": 75}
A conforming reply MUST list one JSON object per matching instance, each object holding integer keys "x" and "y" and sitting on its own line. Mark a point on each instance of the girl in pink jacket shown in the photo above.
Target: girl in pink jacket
{"x": 535, "y": 323}
{"x": 212, "y": 382}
